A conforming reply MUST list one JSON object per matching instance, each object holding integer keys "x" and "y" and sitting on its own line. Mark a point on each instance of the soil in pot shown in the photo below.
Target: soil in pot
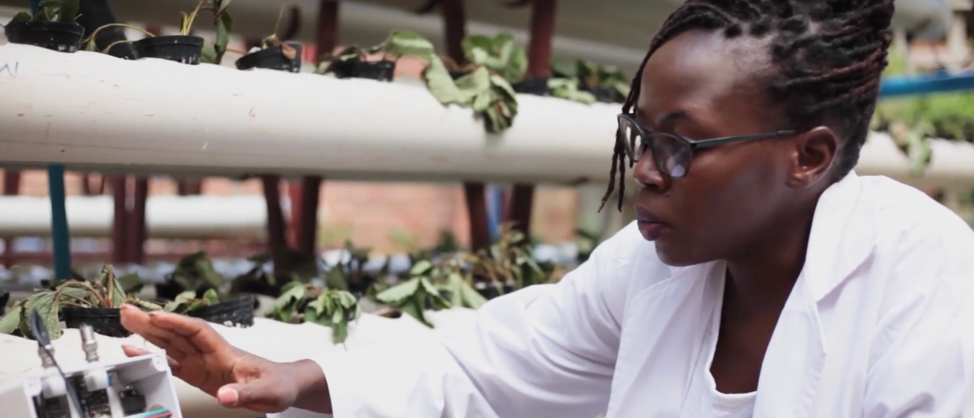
{"x": 536, "y": 86}
{"x": 376, "y": 70}
{"x": 179, "y": 48}
{"x": 272, "y": 58}
{"x": 105, "y": 321}
{"x": 234, "y": 313}
{"x": 56, "y": 36}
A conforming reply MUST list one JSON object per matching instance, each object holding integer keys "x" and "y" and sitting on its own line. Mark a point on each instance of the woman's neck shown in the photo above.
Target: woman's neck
{"x": 762, "y": 277}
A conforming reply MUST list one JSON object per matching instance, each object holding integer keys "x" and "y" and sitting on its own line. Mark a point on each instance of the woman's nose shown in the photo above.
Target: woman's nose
{"x": 647, "y": 173}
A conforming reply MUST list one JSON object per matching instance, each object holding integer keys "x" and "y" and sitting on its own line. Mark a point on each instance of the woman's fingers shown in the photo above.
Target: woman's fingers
{"x": 203, "y": 336}
{"x": 133, "y": 351}
{"x": 141, "y": 323}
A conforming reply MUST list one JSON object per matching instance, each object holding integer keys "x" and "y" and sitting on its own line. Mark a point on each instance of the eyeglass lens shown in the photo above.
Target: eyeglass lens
{"x": 671, "y": 153}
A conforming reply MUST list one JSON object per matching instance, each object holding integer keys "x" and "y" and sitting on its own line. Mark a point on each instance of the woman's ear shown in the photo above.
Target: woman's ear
{"x": 815, "y": 153}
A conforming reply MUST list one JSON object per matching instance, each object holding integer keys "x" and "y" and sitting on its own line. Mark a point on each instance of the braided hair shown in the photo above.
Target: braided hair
{"x": 828, "y": 56}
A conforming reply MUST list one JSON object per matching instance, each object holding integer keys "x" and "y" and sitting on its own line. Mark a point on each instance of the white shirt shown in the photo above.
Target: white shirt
{"x": 877, "y": 326}
{"x": 705, "y": 401}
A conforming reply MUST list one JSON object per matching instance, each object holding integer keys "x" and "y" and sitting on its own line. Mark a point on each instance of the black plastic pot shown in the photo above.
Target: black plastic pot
{"x": 376, "y": 70}
{"x": 490, "y": 291}
{"x": 179, "y": 48}
{"x": 272, "y": 58}
{"x": 602, "y": 94}
{"x": 56, "y": 36}
{"x": 105, "y": 321}
{"x": 536, "y": 86}
{"x": 237, "y": 312}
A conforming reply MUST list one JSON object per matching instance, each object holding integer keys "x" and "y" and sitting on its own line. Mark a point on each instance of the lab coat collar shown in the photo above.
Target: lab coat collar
{"x": 841, "y": 239}
{"x": 842, "y": 236}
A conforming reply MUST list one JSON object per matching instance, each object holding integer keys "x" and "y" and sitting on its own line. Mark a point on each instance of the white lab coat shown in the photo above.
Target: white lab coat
{"x": 877, "y": 326}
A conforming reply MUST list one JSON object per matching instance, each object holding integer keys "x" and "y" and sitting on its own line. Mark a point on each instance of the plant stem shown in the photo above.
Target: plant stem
{"x": 91, "y": 38}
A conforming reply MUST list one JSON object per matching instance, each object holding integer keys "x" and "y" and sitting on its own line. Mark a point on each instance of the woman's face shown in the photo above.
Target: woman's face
{"x": 701, "y": 85}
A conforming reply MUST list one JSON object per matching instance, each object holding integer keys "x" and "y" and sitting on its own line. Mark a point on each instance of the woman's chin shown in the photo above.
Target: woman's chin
{"x": 674, "y": 255}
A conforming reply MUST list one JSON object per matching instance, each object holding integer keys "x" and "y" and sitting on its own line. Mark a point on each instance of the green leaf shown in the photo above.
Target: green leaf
{"x": 564, "y": 68}
{"x": 130, "y": 282}
{"x": 415, "y": 311}
{"x": 221, "y": 6}
{"x": 420, "y": 268}
{"x": 408, "y": 43}
{"x": 399, "y": 292}
{"x": 339, "y": 332}
{"x": 211, "y": 297}
{"x": 294, "y": 293}
{"x": 338, "y": 316}
{"x": 21, "y": 17}
{"x": 224, "y": 27}
{"x": 47, "y": 307}
{"x": 471, "y": 298}
{"x": 346, "y": 299}
{"x": 69, "y": 10}
{"x": 335, "y": 279}
{"x": 48, "y": 11}
{"x": 116, "y": 294}
{"x": 441, "y": 84}
{"x": 470, "y": 85}
{"x": 11, "y": 321}
{"x": 311, "y": 316}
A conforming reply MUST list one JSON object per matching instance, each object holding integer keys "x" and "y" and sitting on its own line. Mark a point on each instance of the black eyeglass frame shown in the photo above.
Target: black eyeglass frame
{"x": 646, "y": 138}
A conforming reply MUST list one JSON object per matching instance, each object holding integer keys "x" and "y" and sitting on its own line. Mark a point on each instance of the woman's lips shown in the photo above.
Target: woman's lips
{"x": 651, "y": 230}
{"x": 650, "y": 225}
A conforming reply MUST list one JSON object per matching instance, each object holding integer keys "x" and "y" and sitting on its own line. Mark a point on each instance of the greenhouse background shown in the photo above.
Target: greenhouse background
{"x": 189, "y": 211}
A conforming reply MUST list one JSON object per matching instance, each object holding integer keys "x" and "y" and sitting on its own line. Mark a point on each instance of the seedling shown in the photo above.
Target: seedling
{"x": 52, "y": 11}
{"x": 104, "y": 292}
{"x": 308, "y": 303}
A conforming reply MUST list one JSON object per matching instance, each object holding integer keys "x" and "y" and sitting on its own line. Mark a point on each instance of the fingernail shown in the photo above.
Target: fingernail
{"x": 228, "y": 396}
{"x": 155, "y": 314}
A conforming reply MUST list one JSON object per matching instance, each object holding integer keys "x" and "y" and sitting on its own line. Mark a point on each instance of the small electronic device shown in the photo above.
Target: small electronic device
{"x": 137, "y": 387}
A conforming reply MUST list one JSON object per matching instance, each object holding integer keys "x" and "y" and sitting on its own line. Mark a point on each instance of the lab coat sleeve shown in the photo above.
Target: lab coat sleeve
{"x": 543, "y": 351}
{"x": 922, "y": 358}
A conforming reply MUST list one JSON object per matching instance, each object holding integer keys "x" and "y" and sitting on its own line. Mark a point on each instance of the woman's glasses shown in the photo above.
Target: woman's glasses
{"x": 673, "y": 153}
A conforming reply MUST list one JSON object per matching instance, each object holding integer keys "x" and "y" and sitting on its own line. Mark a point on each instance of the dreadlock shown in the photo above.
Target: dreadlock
{"x": 828, "y": 54}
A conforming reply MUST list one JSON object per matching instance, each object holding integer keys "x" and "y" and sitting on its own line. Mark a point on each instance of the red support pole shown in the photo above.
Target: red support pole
{"x": 275, "y": 219}
{"x": 306, "y": 195}
{"x": 11, "y": 187}
{"x": 11, "y": 183}
{"x": 119, "y": 223}
{"x": 539, "y": 61}
{"x": 135, "y": 241}
{"x": 455, "y": 29}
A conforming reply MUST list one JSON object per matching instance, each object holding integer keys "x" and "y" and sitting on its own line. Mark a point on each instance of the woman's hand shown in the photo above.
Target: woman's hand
{"x": 201, "y": 357}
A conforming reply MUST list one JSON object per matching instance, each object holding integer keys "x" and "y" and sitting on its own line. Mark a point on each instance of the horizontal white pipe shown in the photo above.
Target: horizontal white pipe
{"x": 183, "y": 217}
{"x": 94, "y": 111}
{"x": 89, "y": 108}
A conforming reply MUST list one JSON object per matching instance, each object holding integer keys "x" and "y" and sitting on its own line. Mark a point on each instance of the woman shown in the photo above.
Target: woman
{"x": 762, "y": 278}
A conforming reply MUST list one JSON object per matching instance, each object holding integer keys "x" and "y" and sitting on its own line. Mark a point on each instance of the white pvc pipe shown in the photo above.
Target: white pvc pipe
{"x": 183, "y": 217}
{"x": 94, "y": 111}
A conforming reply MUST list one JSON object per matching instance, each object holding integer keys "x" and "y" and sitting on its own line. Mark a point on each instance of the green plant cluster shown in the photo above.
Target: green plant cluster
{"x": 52, "y": 11}
{"x": 912, "y": 121}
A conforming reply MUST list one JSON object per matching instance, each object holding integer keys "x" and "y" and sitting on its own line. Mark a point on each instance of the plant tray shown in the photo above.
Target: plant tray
{"x": 56, "y": 36}
{"x": 234, "y": 313}
{"x": 179, "y": 48}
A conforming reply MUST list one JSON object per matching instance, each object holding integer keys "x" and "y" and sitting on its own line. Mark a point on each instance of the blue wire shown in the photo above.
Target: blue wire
{"x": 59, "y": 223}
